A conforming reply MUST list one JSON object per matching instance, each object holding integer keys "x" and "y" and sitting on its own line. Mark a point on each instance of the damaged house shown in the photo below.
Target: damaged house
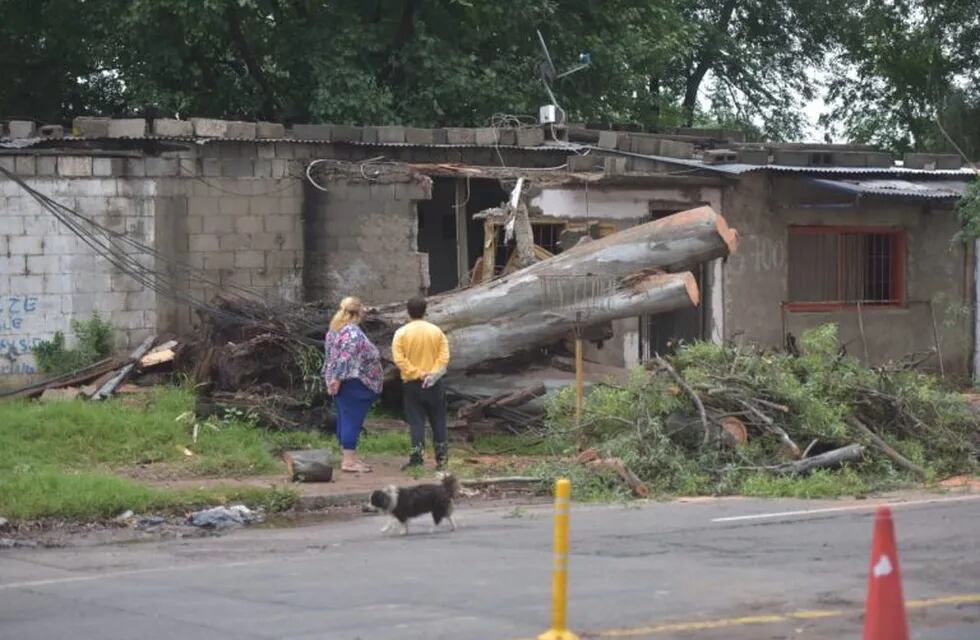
{"x": 827, "y": 233}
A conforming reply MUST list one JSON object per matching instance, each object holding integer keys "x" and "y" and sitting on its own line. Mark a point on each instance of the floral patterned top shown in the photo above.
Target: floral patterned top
{"x": 349, "y": 354}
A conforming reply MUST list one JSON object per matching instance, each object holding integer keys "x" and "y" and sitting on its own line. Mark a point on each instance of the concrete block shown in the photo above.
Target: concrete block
{"x": 37, "y": 265}
{"x": 204, "y": 242}
{"x": 161, "y": 167}
{"x": 52, "y": 132}
{"x": 21, "y": 129}
{"x": 47, "y": 166}
{"x": 219, "y": 260}
{"x": 391, "y": 135}
{"x": 240, "y": 130}
{"x": 105, "y": 167}
{"x": 675, "y": 149}
{"x": 25, "y": 245}
{"x": 285, "y": 149}
{"x": 344, "y": 133}
{"x": 791, "y": 157}
{"x": 460, "y": 136}
{"x": 312, "y": 131}
{"x": 13, "y": 225}
{"x": 644, "y": 145}
{"x": 581, "y": 163}
{"x": 127, "y": 128}
{"x": 237, "y": 167}
{"x": 507, "y": 138}
{"x": 262, "y": 168}
{"x": 199, "y": 207}
{"x": 609, "y": 139}
{"x": 415, "y": 135}
{"x": 88, "y": 127}
{"x": 25, "y": 165}
{"x": 171, "y": 128}
{"x": 249, "y": 259}
{"x": 10, "y": 164}
{"x": 280, "y": 168}
{"x": 263, "y": 205}
{"x": 752, "y": 156}
{"x": 265, "y": 150}
{"x": 234, "y": 242}
{"x": 614, "y": 165}
{"x": 530, "y": 137}
{"x": 219, "y": 224}
{"x": 280, "y": 224}
{"x": 209, "y": 127}
{"x": 135, "y": 167}
{"x": 882, "y": 159}
{"x": 274, "y": 241}
{"x": 270, "y": 130}
{"x": 439, "y": 136}
{"x": 486, "y": 136}
{"x": 233, "y": 205}
{"x": 249, "y": 224}
{"x": 74, "y": 166}
{"x": 210, "y": 167}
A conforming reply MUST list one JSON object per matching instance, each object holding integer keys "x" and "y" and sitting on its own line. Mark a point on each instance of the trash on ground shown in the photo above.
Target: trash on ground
{"x": 224, "y": 517}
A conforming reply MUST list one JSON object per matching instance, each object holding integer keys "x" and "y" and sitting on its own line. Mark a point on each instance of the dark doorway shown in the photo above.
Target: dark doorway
{"x": 453, "y": 251}
{"x": 662, "y": 332}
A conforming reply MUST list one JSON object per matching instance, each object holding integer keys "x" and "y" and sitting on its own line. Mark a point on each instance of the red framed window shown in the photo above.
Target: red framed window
{"x": 833, "y": 267}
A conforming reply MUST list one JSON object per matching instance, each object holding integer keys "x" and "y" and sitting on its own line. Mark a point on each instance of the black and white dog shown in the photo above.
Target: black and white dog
{"x": 404, "y": 503}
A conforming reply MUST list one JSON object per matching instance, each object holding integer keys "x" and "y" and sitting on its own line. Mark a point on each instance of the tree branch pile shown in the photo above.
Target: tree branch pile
{"x": 710, "y": 416}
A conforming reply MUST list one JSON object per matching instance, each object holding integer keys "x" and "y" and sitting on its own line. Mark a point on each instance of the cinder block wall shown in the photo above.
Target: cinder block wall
{"x": 49, "y": 276}
{"x": 362, "y": 239}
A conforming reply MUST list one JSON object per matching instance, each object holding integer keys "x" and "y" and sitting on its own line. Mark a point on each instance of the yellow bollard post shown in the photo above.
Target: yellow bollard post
{"x": 559, "y": 580}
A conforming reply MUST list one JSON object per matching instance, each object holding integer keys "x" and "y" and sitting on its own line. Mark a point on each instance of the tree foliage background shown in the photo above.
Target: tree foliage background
{"x": 888, "y": 68}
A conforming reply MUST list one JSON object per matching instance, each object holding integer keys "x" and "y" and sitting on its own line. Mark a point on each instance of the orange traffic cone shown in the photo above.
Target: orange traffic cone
{"x": 884, "y": 617}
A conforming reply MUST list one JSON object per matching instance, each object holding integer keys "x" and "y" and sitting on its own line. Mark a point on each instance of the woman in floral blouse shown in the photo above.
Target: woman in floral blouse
{"x": 353, "y": 374}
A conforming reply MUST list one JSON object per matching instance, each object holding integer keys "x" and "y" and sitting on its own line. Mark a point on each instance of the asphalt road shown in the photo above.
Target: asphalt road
{"x": 734, "y": 569}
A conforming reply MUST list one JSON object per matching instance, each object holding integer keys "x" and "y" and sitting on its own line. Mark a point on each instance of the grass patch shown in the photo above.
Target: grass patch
{"x": 86, "y": 496}
{"x": 57, "y": 458}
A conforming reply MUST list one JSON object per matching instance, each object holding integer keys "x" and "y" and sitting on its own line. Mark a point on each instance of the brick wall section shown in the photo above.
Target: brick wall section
{"x": 363, "y": 240}
{"x": 48, "y": 276}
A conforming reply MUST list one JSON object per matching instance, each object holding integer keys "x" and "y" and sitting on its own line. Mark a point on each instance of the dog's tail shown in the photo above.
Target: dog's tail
{"x": 450, "y": 484}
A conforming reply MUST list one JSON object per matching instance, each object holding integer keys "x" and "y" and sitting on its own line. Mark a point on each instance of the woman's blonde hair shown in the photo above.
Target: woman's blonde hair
{"x": 350, "y": 312}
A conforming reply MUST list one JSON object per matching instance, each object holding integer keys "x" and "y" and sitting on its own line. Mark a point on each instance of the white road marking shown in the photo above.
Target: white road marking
{"x": 117, "y": 574}
{"x": 854, "y": 507}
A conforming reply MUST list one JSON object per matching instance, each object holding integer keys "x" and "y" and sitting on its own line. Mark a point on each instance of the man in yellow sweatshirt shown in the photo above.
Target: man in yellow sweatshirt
{"x": 421, "y": 352}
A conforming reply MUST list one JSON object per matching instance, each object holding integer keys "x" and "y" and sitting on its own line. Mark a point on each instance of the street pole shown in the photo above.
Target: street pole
{"x": 559, "y": 580}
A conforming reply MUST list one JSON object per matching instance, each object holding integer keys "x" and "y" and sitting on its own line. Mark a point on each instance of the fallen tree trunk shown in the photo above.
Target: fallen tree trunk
{"x": 673, "y": 244}
{"x": 478, "y": 343}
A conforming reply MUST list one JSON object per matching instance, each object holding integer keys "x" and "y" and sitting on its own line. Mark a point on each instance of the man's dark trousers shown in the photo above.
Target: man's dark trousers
{"x": 422, "y": 404}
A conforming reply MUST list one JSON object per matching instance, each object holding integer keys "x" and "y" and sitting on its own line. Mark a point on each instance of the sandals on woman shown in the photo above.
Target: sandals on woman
{"x": 355, "y": 467}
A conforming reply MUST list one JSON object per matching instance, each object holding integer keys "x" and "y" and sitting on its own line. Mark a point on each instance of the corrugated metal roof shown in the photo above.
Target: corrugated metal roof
{"x": 926, "y": 189}
{"x": 736, "y": 168}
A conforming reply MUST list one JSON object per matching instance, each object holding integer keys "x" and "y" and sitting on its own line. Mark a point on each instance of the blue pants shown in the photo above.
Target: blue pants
{"x": 353, "y": 402}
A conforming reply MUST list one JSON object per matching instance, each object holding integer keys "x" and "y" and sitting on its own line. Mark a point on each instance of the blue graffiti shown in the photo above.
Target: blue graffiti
{"x": 18, "y": 305}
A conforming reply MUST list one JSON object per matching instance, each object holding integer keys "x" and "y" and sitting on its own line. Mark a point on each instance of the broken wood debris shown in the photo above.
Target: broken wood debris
{"x": 101, "y": 379}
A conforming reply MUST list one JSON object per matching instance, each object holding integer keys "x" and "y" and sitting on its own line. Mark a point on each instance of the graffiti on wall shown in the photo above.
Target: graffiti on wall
{"x": 16, "y": 339}
{"x": 759, "y": 255}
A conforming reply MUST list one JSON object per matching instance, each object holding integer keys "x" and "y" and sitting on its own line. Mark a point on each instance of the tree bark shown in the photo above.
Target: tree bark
{"x": 674, "y": 243}
{"x": 498, "y": 338}
{"x": 828, "y": 459}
